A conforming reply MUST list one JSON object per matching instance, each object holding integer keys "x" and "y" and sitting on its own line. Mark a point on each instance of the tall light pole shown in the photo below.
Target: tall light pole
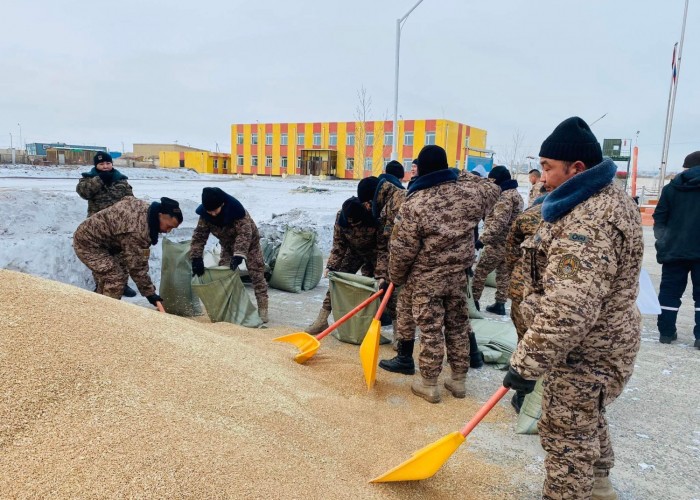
{"x": 395, "y": 129}
{"x": 20, "y": 136}
{"x": 12, "y": 149}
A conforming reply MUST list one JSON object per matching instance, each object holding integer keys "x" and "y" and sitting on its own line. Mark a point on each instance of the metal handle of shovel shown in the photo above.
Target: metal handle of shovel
{"x": 351, "y": 313}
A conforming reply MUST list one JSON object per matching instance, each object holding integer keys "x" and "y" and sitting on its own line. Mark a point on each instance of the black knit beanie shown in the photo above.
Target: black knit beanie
{"x": 354, "y": 211}
{"x": 431, "y": 159}
{"x": 572, "y": 140}
{"x": 170, "y": 207}
{"x": 500, "y": 174}
{"x": 212, "y": 198}
{"x": 692, "y": 160}
{"x": 395, "y": 168}
{"x": 366, "y": 188}
{"x": 102, "y": 157}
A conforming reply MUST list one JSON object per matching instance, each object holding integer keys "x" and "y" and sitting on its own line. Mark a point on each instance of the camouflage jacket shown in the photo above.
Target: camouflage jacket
{"x": 498, "y": 222}
{"x": 524, "y": 226}
{"x": 360, "y": 240}
{"x": 582, "y": 273}
{"x": 123, "y": 228}
{"x": 433, "y": 232}
{"x": 475, "y": 185}
{"x": 235, "y": 229}
{"x": 387, "y": 202}
{"x": 535, "y": 192}
{"x": 99, "y": 195}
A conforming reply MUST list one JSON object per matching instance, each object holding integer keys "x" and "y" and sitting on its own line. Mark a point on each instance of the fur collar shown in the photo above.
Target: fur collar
{"x": 509, "y": 184}
{"x": 116, "y": 174}
{"x": 432, "y": 179}
{"x": 577, "y": 190}
{"x": 233, "y": 210}
{"x": 381, "y": 194}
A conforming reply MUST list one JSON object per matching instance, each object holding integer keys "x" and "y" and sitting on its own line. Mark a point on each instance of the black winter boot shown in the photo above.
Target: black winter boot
{"x": 403, "y": 362}
{"x": 666, "y": 322}
{"x": 497, "y": 308}
{"x": 128, "y": 291}
{"x": 476, "y": 357}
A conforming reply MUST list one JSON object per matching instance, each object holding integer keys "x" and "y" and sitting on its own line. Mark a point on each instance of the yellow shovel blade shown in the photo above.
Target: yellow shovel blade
{"x": 425, "y": 462}
{"x": 307, "y": 344}
{"x": 369, "y": 352}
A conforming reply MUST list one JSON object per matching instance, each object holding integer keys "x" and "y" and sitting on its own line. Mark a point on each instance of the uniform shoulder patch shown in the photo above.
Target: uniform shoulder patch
{"x": 569, "y": 266}
{"x": 578, "y": 237}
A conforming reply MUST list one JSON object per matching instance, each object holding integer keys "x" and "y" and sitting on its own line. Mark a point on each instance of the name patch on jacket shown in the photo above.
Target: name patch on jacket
{"x": 578, "y": 237}
{"x": 568, "y": 267}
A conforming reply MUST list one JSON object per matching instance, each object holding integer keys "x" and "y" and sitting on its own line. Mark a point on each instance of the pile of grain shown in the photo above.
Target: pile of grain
{"x": 103, "y": 398}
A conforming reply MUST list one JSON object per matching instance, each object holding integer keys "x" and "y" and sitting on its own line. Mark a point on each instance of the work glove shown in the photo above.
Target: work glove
{"x": 235, "y": 262}
{"x": 154, "y": 298}
{"x": 478, "y": 245}
{"x": 107, "y": 177}
{"x": 513, "y": 380}
{"x": 383, "y": 285}
{"x": 197, "y": 266}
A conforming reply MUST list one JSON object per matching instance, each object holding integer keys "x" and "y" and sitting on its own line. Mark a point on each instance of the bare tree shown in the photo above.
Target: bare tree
{"x": 363, "y": 112}
{"x": 513, "y": 154}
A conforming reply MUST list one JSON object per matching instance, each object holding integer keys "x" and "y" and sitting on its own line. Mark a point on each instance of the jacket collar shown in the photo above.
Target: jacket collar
{"x": 432, "y": 179}
{"x": 116, "y": 174}
{"x": 577, "y": 190}
{"x": 509, "y": 184}
{"x": 233, "y": 210}
{"x": 381, "y": 194}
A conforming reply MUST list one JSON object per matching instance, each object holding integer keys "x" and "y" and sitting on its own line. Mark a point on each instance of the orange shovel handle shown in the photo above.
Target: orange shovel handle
{"x": 488, "y": 406}
{"x": 385, "y": 301}
{"x": 350, "y": 314}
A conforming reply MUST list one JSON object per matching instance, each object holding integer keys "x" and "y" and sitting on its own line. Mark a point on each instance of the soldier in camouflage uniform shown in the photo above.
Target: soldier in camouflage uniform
{"x": 129, "y": 227}
{"x": 537, "y": 189}
{"x": 581, "y": 270}
{"x": 427, "y": 251}
{"x": 223, "y": 216}
{"x": 354, "y": 247}
{"x": 102, "y": 187}
{"x": 493, "y": 240}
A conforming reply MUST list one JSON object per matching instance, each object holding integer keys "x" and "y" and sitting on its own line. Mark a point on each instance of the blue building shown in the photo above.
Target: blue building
{"x": 39, "y": 148}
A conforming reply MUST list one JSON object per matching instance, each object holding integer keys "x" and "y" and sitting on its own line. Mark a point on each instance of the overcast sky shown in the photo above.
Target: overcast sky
{"x": 128, "y": 71}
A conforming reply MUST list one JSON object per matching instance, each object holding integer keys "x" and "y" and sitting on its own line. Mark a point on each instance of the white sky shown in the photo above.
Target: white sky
{"x": 104, "y": 73}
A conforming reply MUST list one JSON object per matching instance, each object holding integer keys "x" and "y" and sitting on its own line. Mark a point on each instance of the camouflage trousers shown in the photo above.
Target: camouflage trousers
{"x": 405, "y": 324}
{"x": 256, "y": 270}
{"x": 492, "y": 258}
{"x": 109, "y": 271}
{"x": 518, "y": 321}
{"x": 574, "y": 432}
{"x": 443, "y": 318}
{"x": 351, "y": 264}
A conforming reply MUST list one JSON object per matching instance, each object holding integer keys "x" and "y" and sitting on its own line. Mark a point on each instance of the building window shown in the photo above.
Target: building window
{"x": 369, "y": 139}
{"x": 300, "y": 139}
{"x": 284, "y": 162}
{"x": 239, "y": 138}
{"x": 225, "y": 164}
{"x": 239, "y": 161}
{"x": 368, "y": 164}
{"x": 349, "y": 163}
{"x": 351, "y": 140}
{"x": 254, "y": 138}
{"x": 268, "y": 139}
{"x": 386, "y": 162}
{"x": 407, "y": 163}
{"x": 255, "y": 160}
{"x": 216, "y": 164}
{"x": 283, "y": 140}
{"x": 408, "y": 139}
{"x": 317, "y": 139}
{"x": 298, "y": 161}
{"x": 333, "y": 140}
{"x": 388, "y": 139}
{"x": 429, "y": 138}
{"x": 268, "y": 161}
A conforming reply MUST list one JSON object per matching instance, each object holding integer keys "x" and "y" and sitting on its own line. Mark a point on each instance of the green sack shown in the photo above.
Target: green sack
{"x": 270, "y": 249}
{"x": 292, "y": 260}
{"x": 225, "y": 298}
{"x": 314, "y": 270}
{"x": 530, "y": 412}
{"x": 347, "y": 291}
{"x": 473, "y": 311}
{"x": 496, "y": 339}
{"x": 176, "y": 280}
{"x": 491, "y": 279}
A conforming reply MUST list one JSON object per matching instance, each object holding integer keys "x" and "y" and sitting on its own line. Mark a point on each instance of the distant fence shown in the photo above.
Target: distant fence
{"x": 19, "y": 158}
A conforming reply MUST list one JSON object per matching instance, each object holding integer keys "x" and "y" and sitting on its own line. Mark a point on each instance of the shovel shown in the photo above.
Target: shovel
{"x": 427, "y": 461}
{"x": 369, "y": 349}
{"x": 308, "y": 344}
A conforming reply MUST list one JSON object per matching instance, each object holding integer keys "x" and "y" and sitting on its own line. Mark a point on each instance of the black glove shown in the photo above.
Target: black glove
{"x": 235, "y": 262}
{"x": 384, "y": 286}
{"x": 154, "y": 298}
{"x": 107, "y": 177}
{"x": 513, "y": 380}
{"x": 478, "y": 245}
{"x": 197, "y": 266}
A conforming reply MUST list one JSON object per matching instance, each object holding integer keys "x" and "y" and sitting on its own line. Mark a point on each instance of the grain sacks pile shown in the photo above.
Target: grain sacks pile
{"x": 103, "y": 398}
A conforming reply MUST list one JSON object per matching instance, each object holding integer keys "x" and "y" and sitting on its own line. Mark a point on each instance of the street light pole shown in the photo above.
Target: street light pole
{"x": 395, "y": 130}
{"x": 12, "y": 149}
{"x": 20, "y": 136}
